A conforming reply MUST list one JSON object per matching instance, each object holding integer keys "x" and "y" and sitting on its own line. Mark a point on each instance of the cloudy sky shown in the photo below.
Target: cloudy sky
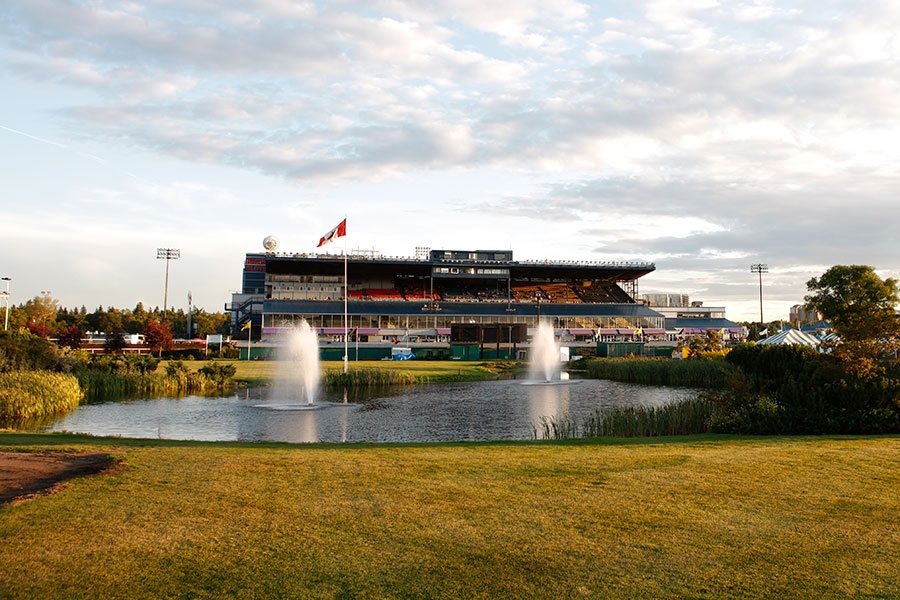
{"x": 704, "y": 136}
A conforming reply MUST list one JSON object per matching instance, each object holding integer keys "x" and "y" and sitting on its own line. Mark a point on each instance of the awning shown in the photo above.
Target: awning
{"x": 367, "y": 331}
{"x": 581, "y": 331}
{"x": 654, "y": 331}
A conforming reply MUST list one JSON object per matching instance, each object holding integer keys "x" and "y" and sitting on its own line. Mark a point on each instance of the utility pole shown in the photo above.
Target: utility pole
{"x": 168, "y": 254}
{"x": 760, "y": 268}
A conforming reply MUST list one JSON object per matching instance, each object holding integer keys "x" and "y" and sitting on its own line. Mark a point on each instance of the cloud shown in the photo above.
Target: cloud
{"x": 704, "y": 135}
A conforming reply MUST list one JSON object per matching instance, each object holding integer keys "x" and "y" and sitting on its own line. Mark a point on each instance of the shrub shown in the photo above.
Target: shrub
{"x": 796, "y": 390}
{"x": 20, "y": 350}
{"x": 218, "y": 373}
{"x": 701, "y": 372}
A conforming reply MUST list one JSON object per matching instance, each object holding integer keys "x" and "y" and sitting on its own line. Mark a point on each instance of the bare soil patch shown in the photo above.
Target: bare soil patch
{"x": 24, "y": 476}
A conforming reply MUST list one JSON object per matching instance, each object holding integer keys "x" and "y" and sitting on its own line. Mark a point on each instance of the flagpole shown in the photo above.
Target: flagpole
{"x": 346, "y": 294}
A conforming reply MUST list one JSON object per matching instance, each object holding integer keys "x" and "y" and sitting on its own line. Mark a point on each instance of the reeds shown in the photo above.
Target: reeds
{"x": 368, "y": 378}
{"x": 99, "y": 385}
{"x": 34, "y": 394}
{"x": 685, "y": 417}
{"x": 661, "y": 371}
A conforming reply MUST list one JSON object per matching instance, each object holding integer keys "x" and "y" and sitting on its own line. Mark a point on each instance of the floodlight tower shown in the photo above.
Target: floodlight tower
{"x": 6, "y": 297}
{"x": 168, "y": 254}
{"x": 760, "y": 268}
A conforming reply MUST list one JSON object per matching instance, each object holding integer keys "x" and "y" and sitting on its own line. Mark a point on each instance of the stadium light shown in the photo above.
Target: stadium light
{"x": 168, "y": 254}
{"x": 760, "y": 268}
{"x": 6, "y": 297}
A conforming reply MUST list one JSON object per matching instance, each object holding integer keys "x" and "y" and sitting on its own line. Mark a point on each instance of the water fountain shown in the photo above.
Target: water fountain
{"x": 544, "y": 355}
{"x": 297, "y": 372}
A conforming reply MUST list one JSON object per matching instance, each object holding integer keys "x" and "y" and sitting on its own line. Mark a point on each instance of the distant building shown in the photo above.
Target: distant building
{"x": 697, "y": 319}
{"x": 800, "y": 314}
{"x": 666, "y": 300}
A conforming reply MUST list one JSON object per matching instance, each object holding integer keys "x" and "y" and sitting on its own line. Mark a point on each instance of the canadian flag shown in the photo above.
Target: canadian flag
{"x": 339, "y": 231}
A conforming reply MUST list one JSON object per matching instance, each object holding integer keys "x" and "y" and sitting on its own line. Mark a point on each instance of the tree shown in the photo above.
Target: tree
{"x": 710, "y": 342}
{"x": 71, "y": 337}
{"x": 110, "y": 321}
{"x": 115, "y": 342}
{"x": 856, "y": 301}
{"x": 38, "y": 329}
{"x": 158, "y": 336}
{"x": 210, "y": 323}
{"x": 860, "y": 307}
{"x": 42, "y": 310}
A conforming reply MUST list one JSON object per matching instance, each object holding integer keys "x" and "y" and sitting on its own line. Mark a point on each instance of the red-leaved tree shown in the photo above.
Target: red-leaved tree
{"x": 158, "y": 336}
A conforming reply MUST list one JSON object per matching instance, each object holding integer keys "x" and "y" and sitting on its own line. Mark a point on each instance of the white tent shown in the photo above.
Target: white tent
{"x": 791, "y": 337}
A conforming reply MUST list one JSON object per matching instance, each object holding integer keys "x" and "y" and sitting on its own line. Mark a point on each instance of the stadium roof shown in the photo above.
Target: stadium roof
{"x": 333, "y": 264}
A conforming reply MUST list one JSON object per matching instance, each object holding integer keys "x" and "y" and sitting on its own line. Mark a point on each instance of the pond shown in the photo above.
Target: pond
{"x": 481, "y": 411}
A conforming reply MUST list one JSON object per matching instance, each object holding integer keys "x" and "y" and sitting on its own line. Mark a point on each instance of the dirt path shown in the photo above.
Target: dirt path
{"x": 24, "y": 476}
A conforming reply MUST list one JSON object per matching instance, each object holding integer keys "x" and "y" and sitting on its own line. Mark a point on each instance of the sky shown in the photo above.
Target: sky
{"x": 704, "y": 136}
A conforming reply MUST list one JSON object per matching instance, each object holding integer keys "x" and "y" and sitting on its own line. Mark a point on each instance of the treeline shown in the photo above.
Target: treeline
{"x": 44, "y": 317}
{"x": 37, "y": 378}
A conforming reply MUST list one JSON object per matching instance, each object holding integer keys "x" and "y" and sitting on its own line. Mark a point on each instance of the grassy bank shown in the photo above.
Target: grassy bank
{"x": 692, "y": 517}
{"x": 256, "y": 372}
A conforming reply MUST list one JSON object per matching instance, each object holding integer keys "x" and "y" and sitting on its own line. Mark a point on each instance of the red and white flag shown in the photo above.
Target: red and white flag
{"x": 339, "y": 231}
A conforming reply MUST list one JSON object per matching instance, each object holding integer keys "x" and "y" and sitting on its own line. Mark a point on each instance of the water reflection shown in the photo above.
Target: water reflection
{"x": 495, "y": 410}
{"x": 547, "y": 401}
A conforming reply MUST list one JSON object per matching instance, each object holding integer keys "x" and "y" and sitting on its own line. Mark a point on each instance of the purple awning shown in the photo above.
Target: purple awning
{"x": 331, "y": 330}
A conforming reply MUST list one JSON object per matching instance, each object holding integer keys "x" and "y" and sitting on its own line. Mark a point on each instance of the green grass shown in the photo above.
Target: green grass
{"x": 256, "y": 372}
{"x": 707, "y": 516}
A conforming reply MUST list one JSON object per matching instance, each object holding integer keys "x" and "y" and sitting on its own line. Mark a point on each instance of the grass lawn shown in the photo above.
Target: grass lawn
{"x": 261, "y": 372}
{"x": 711, "y": 517}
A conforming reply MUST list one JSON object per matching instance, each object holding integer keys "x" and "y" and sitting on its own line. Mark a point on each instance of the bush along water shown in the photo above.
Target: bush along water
{"x": 695, "y": 372}
{"x": 797, "y": 390}
{"x": 764, "y": 390}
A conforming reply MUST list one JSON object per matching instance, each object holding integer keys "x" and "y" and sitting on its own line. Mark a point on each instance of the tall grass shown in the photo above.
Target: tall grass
{"x": 685, "y": 417}
{"x": 34, "y": 394}
{"x": 698, "y": 373}
{"x": 98, "y": 385}
{"x": 368, "y": 378}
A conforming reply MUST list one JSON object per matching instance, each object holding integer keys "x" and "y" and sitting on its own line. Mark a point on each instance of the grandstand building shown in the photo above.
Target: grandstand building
{"x": 390, "y": 299}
